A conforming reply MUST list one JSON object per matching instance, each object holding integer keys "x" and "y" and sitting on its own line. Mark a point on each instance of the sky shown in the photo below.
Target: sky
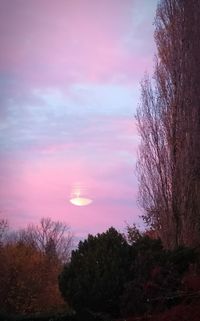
{"x": 70, "y": 73}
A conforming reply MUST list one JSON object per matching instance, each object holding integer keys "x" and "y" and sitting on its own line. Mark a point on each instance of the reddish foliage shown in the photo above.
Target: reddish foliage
{"x": 181, "y": 313}
{"x": 191, "y": 282}
{"x": 177, "y": 313}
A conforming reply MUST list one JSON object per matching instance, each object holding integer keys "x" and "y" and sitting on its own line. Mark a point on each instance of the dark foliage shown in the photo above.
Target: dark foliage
{"x": 82, "y": 316}
{"x": 98, "y": 270}
{"x": 156, "y": 277}
{"x": 108, "y": 275}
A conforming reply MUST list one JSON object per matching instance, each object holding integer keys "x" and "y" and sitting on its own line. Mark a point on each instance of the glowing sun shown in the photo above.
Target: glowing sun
{"x": 78, "y": 200}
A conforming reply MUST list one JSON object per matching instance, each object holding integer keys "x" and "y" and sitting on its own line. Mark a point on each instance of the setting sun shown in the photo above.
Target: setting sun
{"x": 76, "y": 198}
{"x": 80, "y": 201}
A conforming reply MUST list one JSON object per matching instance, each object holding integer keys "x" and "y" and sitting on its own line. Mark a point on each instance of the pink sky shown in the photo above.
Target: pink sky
{"x": 70, "y": 73}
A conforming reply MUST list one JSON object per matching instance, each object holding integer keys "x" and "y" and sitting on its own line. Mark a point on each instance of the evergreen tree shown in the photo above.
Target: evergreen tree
{"x": 95, "y": 276}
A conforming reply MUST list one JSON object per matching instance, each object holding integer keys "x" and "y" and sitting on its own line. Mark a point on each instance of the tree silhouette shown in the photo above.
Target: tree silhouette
{"x": 95, "y": 276}
{"x": 169, "y": 125}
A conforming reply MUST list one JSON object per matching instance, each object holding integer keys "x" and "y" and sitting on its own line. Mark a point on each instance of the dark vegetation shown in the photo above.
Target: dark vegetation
{"x": 126, "y": 279}
{"x": 30, "y": 261}
{"x": 98, "y": 271}
{"x": 109, "y": 275}
{"x": 154, "y": 275}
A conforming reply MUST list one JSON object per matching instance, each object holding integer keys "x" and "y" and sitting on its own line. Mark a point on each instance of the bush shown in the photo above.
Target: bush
{"x": 98, "y": 270}
{"x": 156, "y": 277}
{"x": 81, "y": 316}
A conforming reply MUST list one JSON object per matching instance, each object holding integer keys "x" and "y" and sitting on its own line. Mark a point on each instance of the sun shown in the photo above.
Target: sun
{"x": 77, "y": 199}
{"x": 80, "y": 201}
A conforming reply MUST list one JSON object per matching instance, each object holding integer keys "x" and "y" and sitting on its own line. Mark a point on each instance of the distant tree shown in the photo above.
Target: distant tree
{"x": 50, "y": 237}
{"x": 3, "y": 230}
{"x": 28, "y": 280}
{"x": 169, "y": 126}
{"x": 132, "y": 234}
{"x": 50, "y": 250}
{"x": 30, "y": 262}
{"x": 95, "y": 277}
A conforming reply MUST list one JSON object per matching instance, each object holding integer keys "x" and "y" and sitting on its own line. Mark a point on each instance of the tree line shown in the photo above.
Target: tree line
{"x": 30, "y": 262}
{"x": 130, "y": 274}
{"x": 108, "y": 275}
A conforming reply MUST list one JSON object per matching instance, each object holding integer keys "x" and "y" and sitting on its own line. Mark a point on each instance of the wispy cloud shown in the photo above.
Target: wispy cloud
{"x": 69, "y": 81}
{"x": 62, "y": 42}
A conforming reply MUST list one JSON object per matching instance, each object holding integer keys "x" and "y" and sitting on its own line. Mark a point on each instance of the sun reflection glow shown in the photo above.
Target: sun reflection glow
{"x": 80, "y": 201}
{"x": 76, "y": 198}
